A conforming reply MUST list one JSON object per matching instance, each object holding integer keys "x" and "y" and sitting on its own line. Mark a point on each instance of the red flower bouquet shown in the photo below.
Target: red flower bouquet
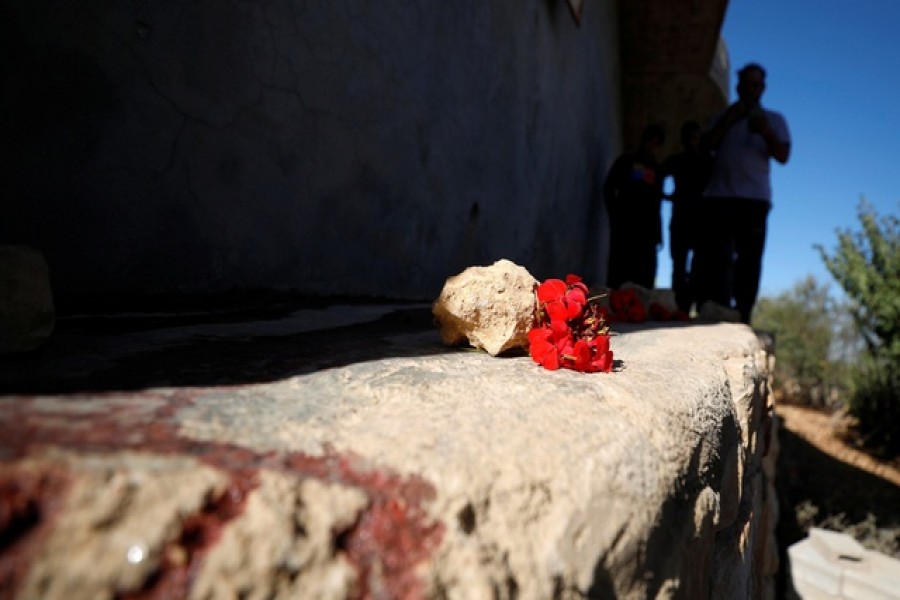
{"x": 625, "y": 306}
{"x": 569, "y": 332}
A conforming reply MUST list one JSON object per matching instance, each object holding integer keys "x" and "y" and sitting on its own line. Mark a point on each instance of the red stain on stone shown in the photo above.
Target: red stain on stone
{"x": 139, "y": 421}
{"x": 391, "y": 538}
{"x": 183, "y": 556}
{"x": 387, "y": 544}
{"x": 28, "y": 498}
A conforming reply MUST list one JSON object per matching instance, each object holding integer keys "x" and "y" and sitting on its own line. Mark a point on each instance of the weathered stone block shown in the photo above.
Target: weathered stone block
{"x": 411, "y": 474}
{"x": 490, "y": 307}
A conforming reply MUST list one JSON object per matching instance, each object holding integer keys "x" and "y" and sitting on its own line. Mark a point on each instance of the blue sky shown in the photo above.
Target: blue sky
{"x": 834, "y": 72}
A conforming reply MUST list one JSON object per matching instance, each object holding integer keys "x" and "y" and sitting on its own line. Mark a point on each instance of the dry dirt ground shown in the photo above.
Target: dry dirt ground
{"x": 825, "y": 481}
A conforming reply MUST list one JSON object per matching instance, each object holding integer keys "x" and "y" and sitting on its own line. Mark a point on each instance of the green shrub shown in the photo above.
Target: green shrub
{"x": 866, "y": 264}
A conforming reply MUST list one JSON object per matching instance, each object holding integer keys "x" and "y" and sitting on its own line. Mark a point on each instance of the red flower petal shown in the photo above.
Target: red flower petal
{"x": 551, "y": 362}
{"x": 573, "y": 310}
{"x": 550, "y": 290}
{"x": 545, "y": 354}
{"x": 539, "y": 334}
{"x": 582, "y": 353}
{"x": 576, "y": 295}
{"x": 559, "y": 327}
{"x": 565, "y": 345}
{"x": 601, "y": 344}
{"x": 560, "y": 330}
{"x": 557, "y": 311}
{"x": 542, "y": 352}
{"x": 603, "y": 362}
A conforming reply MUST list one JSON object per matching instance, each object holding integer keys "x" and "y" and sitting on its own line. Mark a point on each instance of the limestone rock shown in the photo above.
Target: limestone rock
{"x": 490, "y": 307}
{"x": 26, "y": 302}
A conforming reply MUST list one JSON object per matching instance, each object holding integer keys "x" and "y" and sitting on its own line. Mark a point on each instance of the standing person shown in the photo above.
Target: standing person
{"x": 738, "y": 197}
{"x": 689, "y": 170}
{"x": 633, "y": 195}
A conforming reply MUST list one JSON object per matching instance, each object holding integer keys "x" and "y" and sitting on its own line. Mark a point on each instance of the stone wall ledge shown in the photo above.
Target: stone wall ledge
{"x": 416, "y": 471}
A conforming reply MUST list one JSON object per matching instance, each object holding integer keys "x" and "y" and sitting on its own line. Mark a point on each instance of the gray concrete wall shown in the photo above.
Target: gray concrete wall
{"x": 349, "y": 147}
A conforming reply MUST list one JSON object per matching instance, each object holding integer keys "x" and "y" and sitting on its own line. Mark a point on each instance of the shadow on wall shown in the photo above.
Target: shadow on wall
{"x": 51, "y": 122}
{"x": 217, "y": 146}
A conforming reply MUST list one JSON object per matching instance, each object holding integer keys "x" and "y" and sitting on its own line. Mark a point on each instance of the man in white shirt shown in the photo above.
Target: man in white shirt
{"x": 738, "y": 197}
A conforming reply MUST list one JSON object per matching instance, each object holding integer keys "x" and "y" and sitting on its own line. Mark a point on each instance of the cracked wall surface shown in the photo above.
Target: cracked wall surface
{"x": 325, "y": 148}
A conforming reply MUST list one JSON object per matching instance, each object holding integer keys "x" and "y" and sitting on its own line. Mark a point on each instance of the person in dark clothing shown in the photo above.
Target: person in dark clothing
{"x": 736, "y": 202}
{"x": 689, "y": 170}
{"x": 633, "y": 195}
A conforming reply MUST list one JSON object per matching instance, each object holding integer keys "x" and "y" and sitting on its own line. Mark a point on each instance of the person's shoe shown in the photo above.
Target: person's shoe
{"x": 715, "y": 312}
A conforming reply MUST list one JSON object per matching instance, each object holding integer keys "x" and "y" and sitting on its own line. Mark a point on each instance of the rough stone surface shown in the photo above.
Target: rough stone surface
{"x": 133, "y": 516}
{"x": 26, "y": 300}
{"x": 297, "y": 558}
{"x": 406, "y": 470}
{"x": 115, "y": 521}
{"x": 492, "y": 307}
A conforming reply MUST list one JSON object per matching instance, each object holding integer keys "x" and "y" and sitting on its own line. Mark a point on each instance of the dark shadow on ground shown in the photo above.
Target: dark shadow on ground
{"x": 124, "y": 351}
{"x": 73, "y": 359}
{"x": 806, "y": 474}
